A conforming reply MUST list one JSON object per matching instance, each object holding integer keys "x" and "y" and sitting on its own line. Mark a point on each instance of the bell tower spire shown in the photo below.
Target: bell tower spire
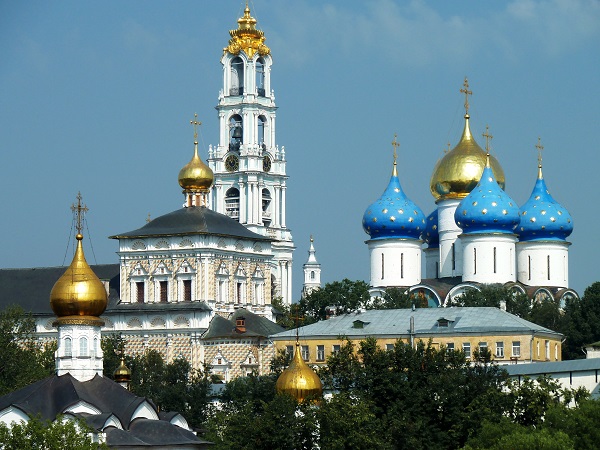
{"x": 250, "y": 178}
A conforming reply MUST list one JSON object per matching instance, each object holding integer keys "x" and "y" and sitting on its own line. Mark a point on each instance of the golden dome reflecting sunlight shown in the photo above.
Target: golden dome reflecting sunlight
{"x": 195, "y": 175}
{"x": 299, "y": 380}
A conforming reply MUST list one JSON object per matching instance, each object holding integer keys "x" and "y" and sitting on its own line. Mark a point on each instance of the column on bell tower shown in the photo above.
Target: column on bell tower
{"x": 249, "y": 167}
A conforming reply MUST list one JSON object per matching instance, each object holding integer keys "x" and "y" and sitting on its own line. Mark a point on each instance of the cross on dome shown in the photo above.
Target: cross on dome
{"x": 395, "y": 144}
{"x": 467, "y": 92}
{"x": 195, "y": 123}
{"x": 487, "y": 137}
{"x": 539, "y": 147}
{"x": 79, "y": 211}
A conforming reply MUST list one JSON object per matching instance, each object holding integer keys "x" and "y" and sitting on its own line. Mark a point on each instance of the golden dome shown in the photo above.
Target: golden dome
{"x": 459, "y": 171}
{"x": 247, "y": 38}
{"x": 78, "y": 294}
{"x": 299, "y": 380}
{"x": 122, "y": 374}
{"x": 195, "y": 175}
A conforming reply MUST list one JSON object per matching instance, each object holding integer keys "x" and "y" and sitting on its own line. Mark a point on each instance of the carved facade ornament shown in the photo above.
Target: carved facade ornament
{"x": 247, "y": 38}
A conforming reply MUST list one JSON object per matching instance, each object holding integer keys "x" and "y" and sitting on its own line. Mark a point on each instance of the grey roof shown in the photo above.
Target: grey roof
{"x": 52, "y": 396}
{"x": 543, "y": 368}
{"x": 396, "y": 323}
{"x": 30, "y": 287}
{"x": 256, "y": 326}
{"x": 193, "y": 220}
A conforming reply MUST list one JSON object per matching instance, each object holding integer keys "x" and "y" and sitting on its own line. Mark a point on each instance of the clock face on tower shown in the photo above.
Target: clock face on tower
{"x": 232, "y": 163}
{"x": 266, "y": 163}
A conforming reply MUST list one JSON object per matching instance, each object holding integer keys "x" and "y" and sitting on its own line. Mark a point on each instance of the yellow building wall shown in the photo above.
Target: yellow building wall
{"x": 540, "y": 349}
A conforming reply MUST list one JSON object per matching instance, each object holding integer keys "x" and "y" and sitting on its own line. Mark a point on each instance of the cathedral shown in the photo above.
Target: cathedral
{"x": 476, "y": 235}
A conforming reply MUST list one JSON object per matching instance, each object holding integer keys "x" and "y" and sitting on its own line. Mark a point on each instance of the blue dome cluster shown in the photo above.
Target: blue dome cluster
{"x": 431, "y": 234}
{"x": 487, "y": 209}
{"x": 394, "y": 215}
{"x": 542, "y": 217}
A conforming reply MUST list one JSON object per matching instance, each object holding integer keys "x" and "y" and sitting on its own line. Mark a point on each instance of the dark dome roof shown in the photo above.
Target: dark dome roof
{"x": 193, "y": 220}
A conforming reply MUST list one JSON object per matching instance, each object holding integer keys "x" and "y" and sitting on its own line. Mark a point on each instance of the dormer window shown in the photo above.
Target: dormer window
{"x": 240, "y": 325}
{"x": 444, "y": 323}
{"x": 359, "y": 324}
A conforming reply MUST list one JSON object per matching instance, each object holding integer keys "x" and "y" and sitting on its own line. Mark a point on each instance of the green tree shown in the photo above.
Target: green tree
{"x": 23, "y": 360}
{"x": 57, "y": 435}
{"x": 580, "y": 324}
{"x": 396, "y": 298}
{"x": 113, "y": 349}
{"x": 339, "y": 297}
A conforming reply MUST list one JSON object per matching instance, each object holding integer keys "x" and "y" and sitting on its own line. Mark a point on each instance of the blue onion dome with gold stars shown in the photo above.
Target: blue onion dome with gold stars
{"x": 487, "y": 208}
{"x": 431, "y": 234}
{"x": 542, "y": 217}
{"x": 394, "y": 215}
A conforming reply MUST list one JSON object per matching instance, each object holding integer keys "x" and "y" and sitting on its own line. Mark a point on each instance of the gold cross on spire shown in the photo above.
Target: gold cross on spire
{"x": 539, "y": 147}
{"x": 195, "y": 124}
{"x": 467, "y": 92}
{"x": 79, "y": 211}
{"x": 487, "y": 137}
{"x": 395, "y": 144}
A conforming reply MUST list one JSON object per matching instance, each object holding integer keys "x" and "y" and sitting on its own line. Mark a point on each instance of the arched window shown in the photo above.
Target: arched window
{"x": 312, "y": 274}
{"x": 83, "y": 346}
{"x": 266, "y": 207}
{"x": 68, "y": 347}
{"x": 236, "y": 132}
{"x": 261, "y": 130}
{"x": 260, "y": 77}
{"x": 95, "y": 347}
{"x": 232, "y": 203}
{"x": 237, "y": 77}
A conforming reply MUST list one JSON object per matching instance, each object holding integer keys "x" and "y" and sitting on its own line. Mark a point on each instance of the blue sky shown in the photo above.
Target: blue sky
{"x": 97, "y": 97}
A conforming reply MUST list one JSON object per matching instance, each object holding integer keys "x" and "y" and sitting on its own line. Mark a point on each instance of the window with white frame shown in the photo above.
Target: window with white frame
{"x": 499, "y": 349}
{"x": 305, "y": 353}
{"x": 389, "y": 347}
{"x": 289, "y": 349}
{"x": 516, "y": 349}
{"x": 547, "y": 345}
{"x": 467, "y": 349}
{"x": 320, "y": 353}
{"x": 140, "y": 291}
{"x": 83, "y": 346}
{"x": 482, "y": 347}
{"x": 186, "y": 290}
{"x": 450, "y": 346}
{"x": 68, "y": 347}
{"x": 335, "y": 348}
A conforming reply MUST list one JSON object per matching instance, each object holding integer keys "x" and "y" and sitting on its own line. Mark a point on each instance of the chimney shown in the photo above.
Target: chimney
{"x": 240, "y": 324}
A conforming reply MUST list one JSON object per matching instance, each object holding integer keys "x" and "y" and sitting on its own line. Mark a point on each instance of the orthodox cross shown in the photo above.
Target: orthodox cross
{"x": 447, "y": 149}
{"x": 195, "y": 124}
{"x": 487, "y": 137}
{"x": 396, "y": 145}
{"x": 467, "y": 92}
{"x": 79, "y": 213}
{"x": 539, "y": 147}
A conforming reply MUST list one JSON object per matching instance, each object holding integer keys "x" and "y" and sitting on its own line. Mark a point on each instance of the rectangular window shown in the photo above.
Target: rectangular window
{"x": 83, "y": 347}
{"x": 467, "y": 349}
{"x": 450, "y": 346}
{"x": 516, "y": 348}
{"x": 556, "y": 353}
{"x": 453, "y": 258}
{"x": 187, "y": 290}
{"x": 482, "y": 347}
{"x": 68, "y": 348}
{"x": 548, "y": 257}
{"x": 335, "y": 348}
{"x": 289, "y": 349}
{"x": 163, "y": 291}
{"x": 499, "y": 349}
{"x": 529, "y": 266}
{"x": 238, "y": 292}
{"x": 305, "y": 354}
{"x": 389, "y": 347}
{"x": 139, "y": 291}
{"x": 401, "y": 265}
{"x": 547, "y": 343}
{"x": 320, "y": 353}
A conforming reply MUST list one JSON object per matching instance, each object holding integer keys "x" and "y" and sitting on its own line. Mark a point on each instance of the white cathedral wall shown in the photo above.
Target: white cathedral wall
{"x": 543, "y": 263}
{"x": 488, "y": 258}
{"x": 450, "y": 247}
{"x": 432, "y": 261}
{"x": 79, "y": 351}
{"x": 395, "y": 262}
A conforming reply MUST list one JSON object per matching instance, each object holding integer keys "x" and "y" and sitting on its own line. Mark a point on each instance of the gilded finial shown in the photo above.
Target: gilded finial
{"x": 195, "y": 123}
{"x": 487, "y": 137}
{"x": 539, "y": 147}
{"x": 311, "y": 238}
{"x": 446, "y": 150}
{"x": 79, "y": 211}
{"x": 395, "y": 144}
{"x": 467, "y": 92}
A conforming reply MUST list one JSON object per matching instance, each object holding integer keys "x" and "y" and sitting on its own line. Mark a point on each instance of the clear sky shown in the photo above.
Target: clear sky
{"x": 97, "y": 97}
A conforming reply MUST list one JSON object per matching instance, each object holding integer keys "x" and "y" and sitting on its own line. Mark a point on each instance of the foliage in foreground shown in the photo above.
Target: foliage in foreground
{"x": 38, "y": 434}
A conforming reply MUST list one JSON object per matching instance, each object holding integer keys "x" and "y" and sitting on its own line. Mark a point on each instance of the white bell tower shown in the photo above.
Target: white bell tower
{"x": 249, "y": 167}
{"x": 312, "y": 271}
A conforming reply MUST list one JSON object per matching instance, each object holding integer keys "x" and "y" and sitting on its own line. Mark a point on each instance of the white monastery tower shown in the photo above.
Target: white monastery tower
{"x": 249, "y": 167}
{"x": 312, "y": 271}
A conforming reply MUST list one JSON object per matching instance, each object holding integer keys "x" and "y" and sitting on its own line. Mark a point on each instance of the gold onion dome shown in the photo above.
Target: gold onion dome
{"x": 122, "y": 374}
{"x": 195, "y": 175}
{"x": 78, "y": 293}
{"x": 247, "y": 38}
{"x": 299, "y": 380}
